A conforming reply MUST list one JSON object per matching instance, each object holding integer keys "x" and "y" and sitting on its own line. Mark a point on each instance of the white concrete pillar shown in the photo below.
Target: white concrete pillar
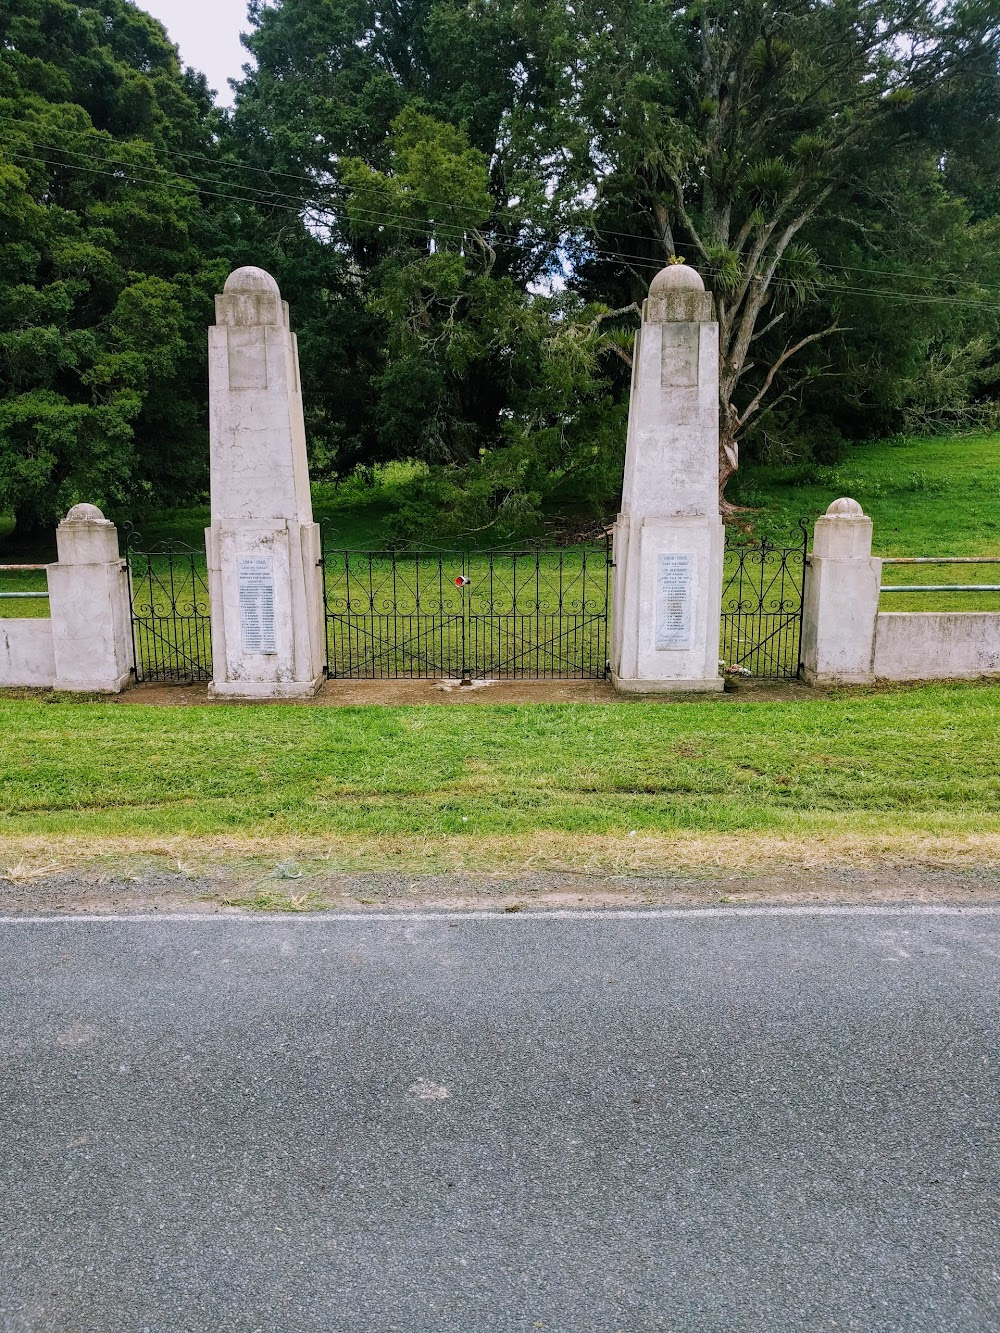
{"x": 89, "y": 605}
{"x": 669, "y": 539}
{"x": 263, "y": 546}
{"x": 841, "y": 599}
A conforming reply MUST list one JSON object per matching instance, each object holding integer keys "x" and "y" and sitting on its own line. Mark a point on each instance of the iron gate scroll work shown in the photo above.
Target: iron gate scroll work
{"x": 762, "y": 591}
{"x": 527, "y": 614}
{"x": 171, "y": 624}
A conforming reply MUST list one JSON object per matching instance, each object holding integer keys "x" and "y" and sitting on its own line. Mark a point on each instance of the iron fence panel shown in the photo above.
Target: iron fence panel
{"x": 171, "y": 623}
{"x": 762, "y": 593}
{"x": 525, "y": 613}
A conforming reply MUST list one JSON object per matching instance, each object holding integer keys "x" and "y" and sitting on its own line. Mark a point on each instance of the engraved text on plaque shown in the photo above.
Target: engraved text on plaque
{"x": 257, "y": 605}
{"x": 673, "y": 600}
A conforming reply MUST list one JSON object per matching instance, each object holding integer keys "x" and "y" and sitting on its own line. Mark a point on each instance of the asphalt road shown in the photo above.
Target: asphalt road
{"x": 700, "y": 1121}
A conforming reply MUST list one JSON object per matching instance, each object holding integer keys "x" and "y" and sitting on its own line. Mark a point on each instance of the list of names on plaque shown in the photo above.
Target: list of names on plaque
{"x": 257, "y": 605}
{"x": 673, "y": 600}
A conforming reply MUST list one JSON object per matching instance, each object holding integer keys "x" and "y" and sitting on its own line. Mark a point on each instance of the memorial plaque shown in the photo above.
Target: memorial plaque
{"x": 257, "y": 605}
{"x": 673, "y": 600}
{"x": 247, "y": 358}
{"x": 679, "y": 356}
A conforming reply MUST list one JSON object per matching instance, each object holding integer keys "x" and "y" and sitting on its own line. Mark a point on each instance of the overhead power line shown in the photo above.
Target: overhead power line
{"x": 278, "y": 199}
{"x": 402, "y": 223}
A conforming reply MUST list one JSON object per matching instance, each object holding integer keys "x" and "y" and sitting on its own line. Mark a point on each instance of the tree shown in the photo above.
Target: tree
{"x": 414, "y": 144}
{"x": 107, "y": 260}
{"x": 488, "y": 186}
{"x": 911, "y": 279}
{"x": 498, "y": 387}
{"x": 733, "y": 134}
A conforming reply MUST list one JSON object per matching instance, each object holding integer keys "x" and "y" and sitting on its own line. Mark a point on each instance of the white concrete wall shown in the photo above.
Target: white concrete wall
{"x": 937, "y": 645}
{"x": 27, "y": 655}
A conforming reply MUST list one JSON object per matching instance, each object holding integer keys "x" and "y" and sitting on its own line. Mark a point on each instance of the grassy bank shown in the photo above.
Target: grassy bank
{"x": 926, "y": 497}
{"x": 930, "y": 497}
{"x": 429, "y": 786}
{"x": 935, "y": 496}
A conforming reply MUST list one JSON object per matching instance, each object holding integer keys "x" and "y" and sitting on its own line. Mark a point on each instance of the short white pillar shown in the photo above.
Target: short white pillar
{"x": 669, "y": 540}
{"x": 89, "y": 605}
{"x": 841, "y": 599}
{"x": 264, "y": 549}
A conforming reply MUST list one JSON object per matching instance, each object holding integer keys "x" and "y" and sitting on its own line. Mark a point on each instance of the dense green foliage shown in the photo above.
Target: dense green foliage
{"x": 464, "y": 201}
{"x": 414, "y": 152}
{"x": 106, "y": 261}
{"x": 811, "y": 161}
{"x": 795, "y": 154}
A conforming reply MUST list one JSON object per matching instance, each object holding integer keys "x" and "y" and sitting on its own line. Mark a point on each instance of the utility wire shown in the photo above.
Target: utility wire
{"x": 274, "y": 196}
{"x": 401, "y": 223}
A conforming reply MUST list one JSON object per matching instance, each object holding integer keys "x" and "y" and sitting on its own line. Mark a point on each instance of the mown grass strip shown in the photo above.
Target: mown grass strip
{"x": 919, "y": 760}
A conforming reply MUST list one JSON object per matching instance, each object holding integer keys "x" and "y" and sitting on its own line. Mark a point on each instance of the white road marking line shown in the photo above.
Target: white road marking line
{"x": 499, "y": 914}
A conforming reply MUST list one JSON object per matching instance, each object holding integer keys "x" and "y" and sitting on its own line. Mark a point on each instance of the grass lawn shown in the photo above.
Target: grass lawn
{"x": 926, "y": 497}
{"x": 867, "y": 777}
{"x": 929, "y": 497}
{"x": 22, "y": 581}
{"x": 904, "y": 773}
{"x": 937, "y": 496}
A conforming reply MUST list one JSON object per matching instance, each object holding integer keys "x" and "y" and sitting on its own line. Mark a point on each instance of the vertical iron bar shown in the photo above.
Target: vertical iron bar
{"x": 326, "y": 608}
{"x": 466, "y": 567}
{"x": 131, "y": 608}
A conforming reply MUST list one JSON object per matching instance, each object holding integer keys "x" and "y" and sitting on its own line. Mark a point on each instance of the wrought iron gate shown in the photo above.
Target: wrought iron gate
{"x": 171, "y": 627}
{"x": 528, "y": 613}
{"x": 762, "y": 591}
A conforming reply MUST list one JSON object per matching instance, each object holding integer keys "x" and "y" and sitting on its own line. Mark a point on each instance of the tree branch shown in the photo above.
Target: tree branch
{"x": 631, "y": 309}
{"x": 682, "y": 213}
{"x": 755, "y": 402}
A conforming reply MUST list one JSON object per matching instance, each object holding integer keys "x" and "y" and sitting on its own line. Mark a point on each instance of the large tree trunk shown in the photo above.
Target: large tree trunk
{"x": 729, "y": 462}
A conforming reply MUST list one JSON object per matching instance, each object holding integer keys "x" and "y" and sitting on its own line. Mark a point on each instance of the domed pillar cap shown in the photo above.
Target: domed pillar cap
{"x": 251, "y": 298}
{"x": 677, "y": 295}
{"x": 86, "y": 513}
{"x": 844, "y": 532}
{"x": 251, "y": 279}
{"x": 845, "y": 507}
{"x": 86, "y": 537}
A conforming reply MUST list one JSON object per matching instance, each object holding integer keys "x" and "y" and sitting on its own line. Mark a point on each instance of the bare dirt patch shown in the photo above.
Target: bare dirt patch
{"x": 407, "y": 693}
{"x": 235, "y": 889}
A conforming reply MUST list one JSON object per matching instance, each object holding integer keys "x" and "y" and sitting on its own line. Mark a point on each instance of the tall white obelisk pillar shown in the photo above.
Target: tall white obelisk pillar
{"x": 669, "y": 538}
{"x": 263, "y": 547}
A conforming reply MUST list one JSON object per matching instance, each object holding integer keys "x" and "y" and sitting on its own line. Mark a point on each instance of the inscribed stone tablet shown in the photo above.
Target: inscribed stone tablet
{"x": 257, "y": 605}
{"x": 247, "y": 358}
{"x": 679, "y": 356}
{"x": 673, "y": 600}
